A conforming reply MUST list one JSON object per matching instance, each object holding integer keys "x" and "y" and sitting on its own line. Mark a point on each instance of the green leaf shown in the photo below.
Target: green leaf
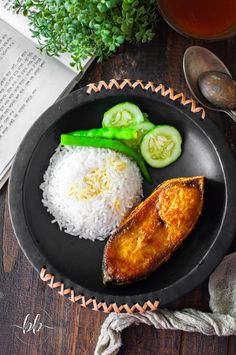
{"x": 85, "y": 28}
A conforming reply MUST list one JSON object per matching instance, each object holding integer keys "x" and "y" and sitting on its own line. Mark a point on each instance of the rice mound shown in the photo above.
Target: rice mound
{"x": 90, "y": 190}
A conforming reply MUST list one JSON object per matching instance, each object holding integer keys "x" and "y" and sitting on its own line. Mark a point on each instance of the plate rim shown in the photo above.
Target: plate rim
{"x": 211, "y": 258}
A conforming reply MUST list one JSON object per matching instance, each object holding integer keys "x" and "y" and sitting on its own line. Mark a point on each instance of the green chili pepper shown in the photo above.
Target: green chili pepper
{"x": 69, "y": 139}
{"x": 118, "y": 133}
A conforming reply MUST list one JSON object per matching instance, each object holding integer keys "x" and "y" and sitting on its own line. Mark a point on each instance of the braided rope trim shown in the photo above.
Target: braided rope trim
{"x": 97, "y": 87}
{"x": 91, "y": 302}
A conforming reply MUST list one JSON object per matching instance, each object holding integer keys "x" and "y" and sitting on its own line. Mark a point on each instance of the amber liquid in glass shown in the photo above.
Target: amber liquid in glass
{"x": 206, "y": 18}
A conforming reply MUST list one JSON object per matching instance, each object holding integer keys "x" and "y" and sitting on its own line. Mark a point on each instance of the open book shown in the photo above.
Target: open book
{"x": 30, "y": 82}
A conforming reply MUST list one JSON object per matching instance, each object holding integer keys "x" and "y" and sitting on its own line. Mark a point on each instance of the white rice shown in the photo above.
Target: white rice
{"x": 90, "y": 190}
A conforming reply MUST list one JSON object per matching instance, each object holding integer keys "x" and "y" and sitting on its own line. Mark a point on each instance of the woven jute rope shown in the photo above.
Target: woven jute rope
{"x": 92, "y": 302}
{"x": 69, "y": 292}
{"x": 155, "y": 88}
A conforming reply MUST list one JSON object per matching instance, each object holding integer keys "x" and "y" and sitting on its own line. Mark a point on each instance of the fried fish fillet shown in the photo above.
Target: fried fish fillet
{"x": 152, "y": 231}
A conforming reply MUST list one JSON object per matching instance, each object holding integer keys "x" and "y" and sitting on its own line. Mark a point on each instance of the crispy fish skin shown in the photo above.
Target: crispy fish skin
{"x": 152, "y": 231}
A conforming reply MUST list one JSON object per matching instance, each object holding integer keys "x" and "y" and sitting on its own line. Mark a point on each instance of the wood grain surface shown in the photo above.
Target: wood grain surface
{"x": 75, "y": 330}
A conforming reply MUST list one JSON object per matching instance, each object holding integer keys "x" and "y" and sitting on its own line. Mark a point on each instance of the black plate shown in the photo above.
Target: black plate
{"x": 78, "y": 262}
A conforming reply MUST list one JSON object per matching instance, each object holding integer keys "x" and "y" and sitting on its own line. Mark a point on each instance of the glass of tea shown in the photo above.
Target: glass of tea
{"x": 203, "y": 19}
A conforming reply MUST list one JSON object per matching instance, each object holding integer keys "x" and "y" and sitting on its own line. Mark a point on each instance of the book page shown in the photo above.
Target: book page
{"x": 29, "y": 83}
{"x": 21, "y": 24}
{"x": 4, "y": 175}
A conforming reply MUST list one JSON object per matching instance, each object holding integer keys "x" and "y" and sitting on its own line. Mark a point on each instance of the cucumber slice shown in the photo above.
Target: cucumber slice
{"x": 142, "y": 129}
{"x": 145, "y": 116}
{"x": 124, "y": 114}
{"x": 144, "y": 126}
{"x": 161, "y": 146}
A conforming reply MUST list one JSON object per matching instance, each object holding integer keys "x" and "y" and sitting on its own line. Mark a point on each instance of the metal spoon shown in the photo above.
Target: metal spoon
{"x": 198, "y": 60}
{"x": 218, "y": 88}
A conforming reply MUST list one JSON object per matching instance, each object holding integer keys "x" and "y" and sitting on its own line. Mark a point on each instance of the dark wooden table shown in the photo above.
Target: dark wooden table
{"x": 75, "y": 329}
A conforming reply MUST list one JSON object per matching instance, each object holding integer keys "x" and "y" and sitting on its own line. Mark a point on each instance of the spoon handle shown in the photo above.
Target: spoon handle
{"x": 232, "y": 114}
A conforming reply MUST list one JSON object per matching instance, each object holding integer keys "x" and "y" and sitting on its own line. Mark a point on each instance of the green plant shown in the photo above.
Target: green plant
{"x": 88, "y": 28}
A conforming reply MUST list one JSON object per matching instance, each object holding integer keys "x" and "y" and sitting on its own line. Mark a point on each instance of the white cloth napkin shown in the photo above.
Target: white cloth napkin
{"x": 222, "y": 320}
